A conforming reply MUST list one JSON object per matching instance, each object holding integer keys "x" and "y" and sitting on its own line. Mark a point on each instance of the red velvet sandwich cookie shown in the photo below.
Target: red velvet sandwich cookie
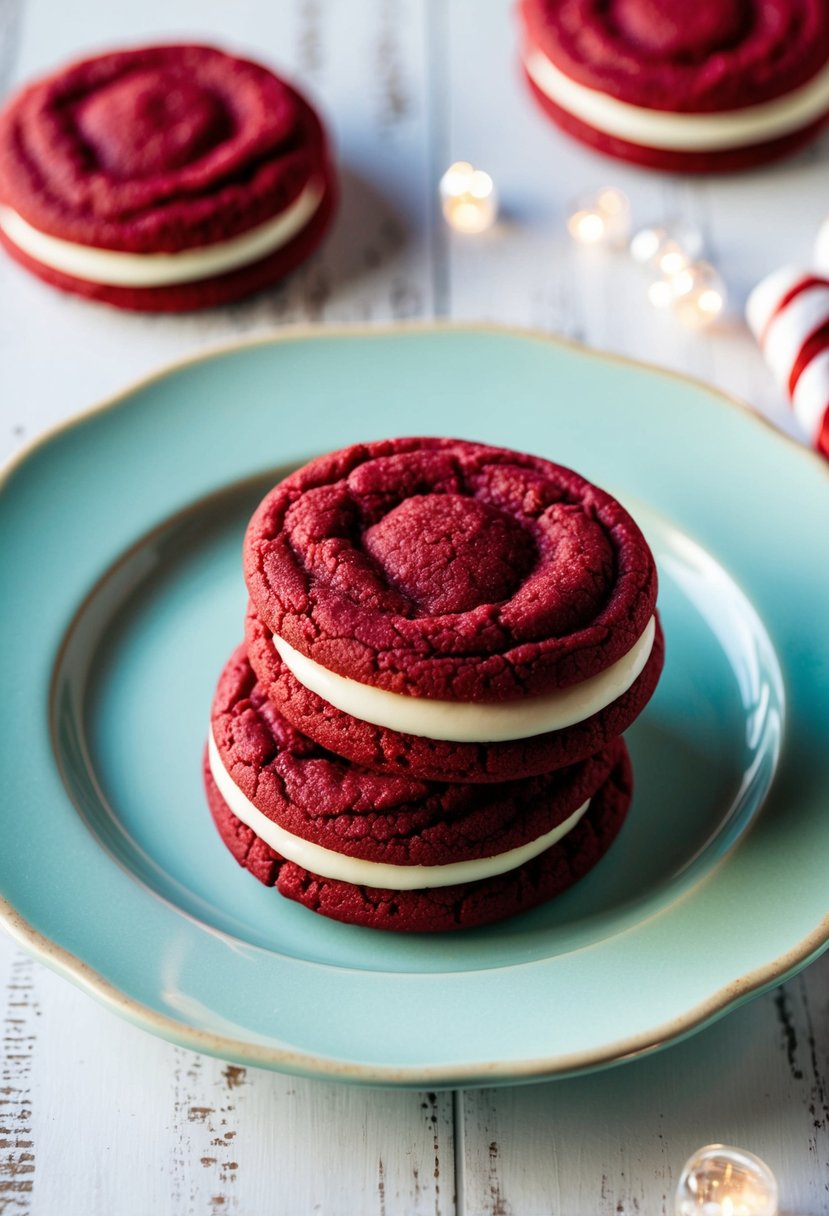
{"x": 390, "y": 751}
{"x": 713, "y": 85}
{"x": 391, "y": 851}
{"x": 165, "y": 178}
{"x": 453, "y": 591}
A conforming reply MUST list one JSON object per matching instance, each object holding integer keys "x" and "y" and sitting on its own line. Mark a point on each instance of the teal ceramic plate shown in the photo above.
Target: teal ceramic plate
{"x": 123, "y": 595}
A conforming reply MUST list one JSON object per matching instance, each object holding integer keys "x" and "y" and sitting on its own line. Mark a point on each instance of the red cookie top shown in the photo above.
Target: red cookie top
{"x": 699, "y": 57}
{"x": 374, "y": 816}
{"x": 446, "y": 569}
{"x": 157, "y": 150}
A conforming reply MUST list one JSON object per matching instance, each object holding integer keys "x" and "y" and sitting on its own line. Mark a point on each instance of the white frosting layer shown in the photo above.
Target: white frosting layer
{"x": 328, "y": 864}
{"x": 682, "y": 132}
{"x": 790, "y": 329}
{"x": 810, "y": 399}
{"x": 468, "y": 722}
{"x": 117, "y": 269}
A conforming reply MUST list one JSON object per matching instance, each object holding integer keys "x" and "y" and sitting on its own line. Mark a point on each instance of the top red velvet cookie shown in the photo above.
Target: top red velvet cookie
{"x": 450, "y": 570}
{"x": 705, "y": 56}
{"x": 182, "y": 151}
{"x": 713, "y": 84}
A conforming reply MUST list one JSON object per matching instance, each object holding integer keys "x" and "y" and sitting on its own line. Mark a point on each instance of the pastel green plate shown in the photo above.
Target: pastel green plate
{"x": 120, "y": 545}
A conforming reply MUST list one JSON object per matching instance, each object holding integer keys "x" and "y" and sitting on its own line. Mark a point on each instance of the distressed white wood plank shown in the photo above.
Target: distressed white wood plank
{"x": 19, "y": 1038}
{"x": 615, "y": 1142}
{"x": 374, "y": 265}
{"x": 98, "y": 1116}
{"x": 11, "y": 20}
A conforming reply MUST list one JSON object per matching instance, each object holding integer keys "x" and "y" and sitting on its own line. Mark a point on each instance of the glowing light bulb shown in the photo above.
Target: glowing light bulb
{"x": 723, "y": 1181}
{"x": 696, "y": 294}
{"x": 699, "y": 294}
{"x": 671, "y": 259}
{"x": 602, "y": 218}
{"x": 661, "y": 293}
{"x": 666, "y": 247}
{"x": 468, "y": 198}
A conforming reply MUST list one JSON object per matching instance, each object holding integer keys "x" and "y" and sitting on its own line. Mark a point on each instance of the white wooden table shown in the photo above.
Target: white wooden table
{"x": 98, "y": 1117}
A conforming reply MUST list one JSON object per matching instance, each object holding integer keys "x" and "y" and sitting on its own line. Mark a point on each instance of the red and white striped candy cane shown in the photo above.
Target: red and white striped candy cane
{"x": 788, "y": 313}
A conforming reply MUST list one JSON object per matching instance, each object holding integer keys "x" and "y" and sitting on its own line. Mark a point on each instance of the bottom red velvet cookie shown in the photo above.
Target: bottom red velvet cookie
{"x": 201, "y": 293}
{"x": 726, "y": 161}
{"x": 388, "y": 751}
{"x": 439, "y": 909}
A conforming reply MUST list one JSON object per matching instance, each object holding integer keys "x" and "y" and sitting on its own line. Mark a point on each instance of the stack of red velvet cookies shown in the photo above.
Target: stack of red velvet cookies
{"x": 443, "y": 645}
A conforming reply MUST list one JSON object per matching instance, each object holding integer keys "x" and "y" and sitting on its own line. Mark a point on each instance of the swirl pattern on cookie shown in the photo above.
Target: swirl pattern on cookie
{"x": 162, "y": 177}
{"x": 713, "y": 86}
{"x": 452, "y": 571}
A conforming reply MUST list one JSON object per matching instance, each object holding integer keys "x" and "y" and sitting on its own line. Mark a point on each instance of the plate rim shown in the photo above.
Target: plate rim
{"x": 305, "y": 331}
{"x": 292, "y": 1060}
{"x": 441, "y": 1075}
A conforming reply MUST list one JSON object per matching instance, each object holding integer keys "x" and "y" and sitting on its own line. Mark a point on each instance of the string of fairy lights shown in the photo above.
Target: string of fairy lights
{"x": 691, "y": 288}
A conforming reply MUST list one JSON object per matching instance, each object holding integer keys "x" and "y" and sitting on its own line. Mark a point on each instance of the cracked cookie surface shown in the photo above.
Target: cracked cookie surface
{"x": 437, "y": 909}
{"x": 391, "y": 818}
{"x": 444, "y": 569}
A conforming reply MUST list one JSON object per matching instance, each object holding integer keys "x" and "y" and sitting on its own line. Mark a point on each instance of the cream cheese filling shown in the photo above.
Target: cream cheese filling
{"x": 118, "y": 269}
{"x": 329, "y": 864}
{"x": 466, "y": 721}
{"x": 682, "y": 132}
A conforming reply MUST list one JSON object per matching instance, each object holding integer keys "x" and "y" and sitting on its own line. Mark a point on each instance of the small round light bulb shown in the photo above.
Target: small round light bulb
{"x": 601, "y": 218}
{"x": 468, "y": 197}
{"x": 723, "y": 1181}
{"x": 666, "y": 247}
{"x": 699, "y": 294}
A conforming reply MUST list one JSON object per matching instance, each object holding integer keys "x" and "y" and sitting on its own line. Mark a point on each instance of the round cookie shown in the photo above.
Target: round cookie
{"x": 452, "y": 571}
{"x": 399, "y": 822}
{"x": 165, "y": 178}
{"x": 718, "y": 86}
{"x": 437, "y": 909}
{"x": 390, "y": 751}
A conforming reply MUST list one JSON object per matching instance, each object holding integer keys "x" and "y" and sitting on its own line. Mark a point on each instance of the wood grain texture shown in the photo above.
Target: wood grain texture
{"x": 126, "y": 1123}
{"x": 17, "y": 1145}
{"x": 615, "y": 1142}
{"x": 95, "y": 1115}
{"x": 11, "y": 15}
